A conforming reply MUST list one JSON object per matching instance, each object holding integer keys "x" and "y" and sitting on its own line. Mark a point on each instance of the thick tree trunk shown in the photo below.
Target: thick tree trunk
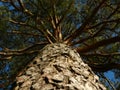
{"x": 58, "y": 67}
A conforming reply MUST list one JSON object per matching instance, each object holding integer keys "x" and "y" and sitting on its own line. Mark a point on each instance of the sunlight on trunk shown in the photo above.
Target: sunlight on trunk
{"x": 58, "y": 67}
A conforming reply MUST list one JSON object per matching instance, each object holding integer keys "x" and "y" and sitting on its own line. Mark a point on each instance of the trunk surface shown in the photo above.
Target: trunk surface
{"x": 58, "y": 67}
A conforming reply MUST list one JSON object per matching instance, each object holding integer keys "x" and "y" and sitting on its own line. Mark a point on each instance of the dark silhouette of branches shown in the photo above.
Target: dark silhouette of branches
{"x": 83, "y": 26}
{"x": 98, "y": 44}
{"x": 7, "y": 54}
{"x": 104, "y": 67}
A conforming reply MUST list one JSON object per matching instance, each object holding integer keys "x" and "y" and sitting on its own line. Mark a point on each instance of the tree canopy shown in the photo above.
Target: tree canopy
{"x": 92, "y": 27}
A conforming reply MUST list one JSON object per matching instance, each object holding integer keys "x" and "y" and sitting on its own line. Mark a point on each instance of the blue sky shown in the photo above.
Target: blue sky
{"x": 110, "y": 75}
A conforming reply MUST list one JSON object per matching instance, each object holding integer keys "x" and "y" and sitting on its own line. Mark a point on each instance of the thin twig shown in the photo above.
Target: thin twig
{"x": 110, "y": 83}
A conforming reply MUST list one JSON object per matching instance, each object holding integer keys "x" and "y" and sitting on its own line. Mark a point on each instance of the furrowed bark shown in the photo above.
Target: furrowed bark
{"x": 58, "y": 67}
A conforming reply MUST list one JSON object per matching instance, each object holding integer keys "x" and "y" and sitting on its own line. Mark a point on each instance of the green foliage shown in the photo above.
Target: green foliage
{"x": 82, "y": 24}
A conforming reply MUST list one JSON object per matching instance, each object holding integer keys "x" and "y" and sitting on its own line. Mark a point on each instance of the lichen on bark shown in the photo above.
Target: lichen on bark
{"x": 58, "y": 67}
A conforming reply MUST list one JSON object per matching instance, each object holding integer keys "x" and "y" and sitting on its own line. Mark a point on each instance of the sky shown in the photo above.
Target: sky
{"x": 110, "y": 75}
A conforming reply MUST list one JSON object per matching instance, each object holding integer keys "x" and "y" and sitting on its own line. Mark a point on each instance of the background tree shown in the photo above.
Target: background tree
{"x": 89, "y": 26}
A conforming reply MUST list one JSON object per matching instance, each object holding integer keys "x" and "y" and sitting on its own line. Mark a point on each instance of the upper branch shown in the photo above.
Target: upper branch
{"x": 98, "y": 44}
{"x": 101, "y": 54}
{"x": 83, "y": 26}
{"x": 104, "y": 67}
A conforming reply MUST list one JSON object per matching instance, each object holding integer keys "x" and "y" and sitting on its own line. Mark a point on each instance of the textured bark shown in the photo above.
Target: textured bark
{"x": 58, "y": 67}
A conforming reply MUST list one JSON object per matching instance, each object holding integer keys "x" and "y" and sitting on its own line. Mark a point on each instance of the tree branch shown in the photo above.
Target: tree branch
{"x": 104, "y": 67}
{"x": 101, "y": 54}
{"x": 101, "y": 29}
{"x": 104, "y": 22}
{"x": 98, "y": 44}
{"x": 21, "y": 51}
{"x": 62, "y": 19}
{"x": 21, "y": 4}
{"x": 23, "y": 9}
{"x": 83, "y": 26}
{"x": 110, "y": 83}
{"x": 44, "y": 31}
{"x": 21, "y": 23}
{"x": 22, "y": 33}
{"x": 12, "y": 3}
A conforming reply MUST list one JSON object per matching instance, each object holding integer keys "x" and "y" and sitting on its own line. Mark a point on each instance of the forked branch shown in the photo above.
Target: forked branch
{"x": 78, "y": 31}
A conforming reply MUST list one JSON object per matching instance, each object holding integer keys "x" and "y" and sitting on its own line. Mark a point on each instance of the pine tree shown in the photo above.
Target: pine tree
{"x": 57, "y": 33}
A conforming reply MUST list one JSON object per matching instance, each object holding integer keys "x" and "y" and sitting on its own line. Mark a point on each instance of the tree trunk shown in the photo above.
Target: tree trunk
{"x": 58, "y": 67}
